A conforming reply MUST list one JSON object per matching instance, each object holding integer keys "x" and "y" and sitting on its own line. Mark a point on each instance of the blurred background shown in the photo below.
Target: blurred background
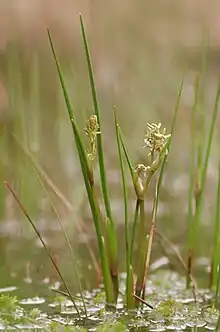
{"x": 140, "y": 51}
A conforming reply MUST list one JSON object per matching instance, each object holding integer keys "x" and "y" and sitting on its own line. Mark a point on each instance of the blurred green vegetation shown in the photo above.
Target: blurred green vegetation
{"x": 139, "y": 52}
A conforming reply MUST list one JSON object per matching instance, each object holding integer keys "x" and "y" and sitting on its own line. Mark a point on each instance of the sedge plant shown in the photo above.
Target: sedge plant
{"x": 199, "y": 192}
{"x": 103, "y": 225}
{"x": 137, "y": 229}
{"x": 142, "y": 175}
{"x": 199, "y": 159}
{"x": 111, "y": 238}
{"x": 156, "y": 142}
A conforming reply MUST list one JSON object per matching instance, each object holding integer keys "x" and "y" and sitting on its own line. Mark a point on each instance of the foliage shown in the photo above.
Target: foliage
{"x": 138, "y": 229}
{"x": 11, "y": 314}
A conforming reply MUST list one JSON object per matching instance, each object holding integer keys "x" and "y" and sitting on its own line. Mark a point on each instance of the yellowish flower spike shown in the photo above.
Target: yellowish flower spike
{"x": 155, "y": 140}
{"x": 92, "y": 130}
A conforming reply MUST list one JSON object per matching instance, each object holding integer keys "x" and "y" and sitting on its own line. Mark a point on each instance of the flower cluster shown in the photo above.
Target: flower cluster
{"x": 155, "y": 140}
{"x": 91, "y": 130}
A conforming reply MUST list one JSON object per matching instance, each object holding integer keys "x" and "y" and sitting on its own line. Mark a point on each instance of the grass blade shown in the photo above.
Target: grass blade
{"x": 141, "y": 251}
{"x": 125, "y": 194}
{"x": 42, "y": 174}
{"x": 173, "y": 248}
{"x": 43, "y": 243}
{"x": 134, "y": 227}
{"x": 79, "y": 143}
{"x": 130, "y": 287}
{"x": 142, "y": 301}
{"x": 151, "y": 235}
{"x": 218, "y": 324}
{"x": 217, "y": 289}
{"x": 66, "y": 238}
{"x": 137, "y": 207}
{"x": 111, "y": 233}
{"x": 88, "y": 180}
{"x": 202, "y": 95}
{"x": 126, "y": 154}
{"x": 216, "y": 249}
{"x": 199, "y": 208}
{"x": 192, "y": 177}
{"x": 170, "y": 140}
{"x": 97, "y": 112}
{"x": 129, "y": 279}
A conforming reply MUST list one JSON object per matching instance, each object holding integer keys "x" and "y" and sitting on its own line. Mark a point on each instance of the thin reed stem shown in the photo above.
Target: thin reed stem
{"x": 176, "y": 109}
{"x": 88, "y": 180}
{"x": 134, "y": 228}
{"x": 129, "y": 270}
{"x": 142, "y": 250}
{"x": 200, "y": 199}
{"x": 43, "y": 243}
{"x": 67, "y": 240}
{"x": 111, "y": 233}
{"x": 151, "y": 235}
{"x": 216, "y": 247}
{"x": 42, "y": 174}
{"x": 191, "y": 197}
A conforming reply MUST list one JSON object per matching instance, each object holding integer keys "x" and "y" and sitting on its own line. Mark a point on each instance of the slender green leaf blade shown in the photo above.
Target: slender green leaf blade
{"x": 86, "y": 171}
{"x": 43, "y": 243}
{"x": 112, "y": 246}
{"x": 129, "y": 279}
{"x": 199, "y": 209}
{"x": 134, "y": 228}
{"x": 192, "y": 174}
{"x": 216, "y": 250}
{"x": 66, "y": 238}
{"x": 97, "y": 112}
{"x": 170, "y": 139}
{"x": 126, "y": 153}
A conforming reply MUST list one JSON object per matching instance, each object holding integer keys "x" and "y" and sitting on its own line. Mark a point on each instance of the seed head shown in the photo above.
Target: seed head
{"x": 154, "y": 140}
{"x": 91, "y": 130}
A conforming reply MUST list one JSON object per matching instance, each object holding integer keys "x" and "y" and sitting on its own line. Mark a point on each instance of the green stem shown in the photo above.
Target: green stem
{"x": 151, "y": 235}
{"x": 199, "y": 208}
{"x": 216, "y": 251}
{"x": 192, "y": 177}
{"x": 111, "y": 233}
{"x": 67, "y": 241}
{"x": 141, "y": 251}
{"x": 88, "y": 180}
{"x": 43, "y": 243}
{"x": 129, "y": 270}
{"x": 133, "y": 232}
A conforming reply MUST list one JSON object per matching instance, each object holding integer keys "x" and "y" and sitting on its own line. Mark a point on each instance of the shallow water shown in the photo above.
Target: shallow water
{"x": 27, "y": 273}
{"x": 174, "y": 309}
{"x": 139, "y": 72}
